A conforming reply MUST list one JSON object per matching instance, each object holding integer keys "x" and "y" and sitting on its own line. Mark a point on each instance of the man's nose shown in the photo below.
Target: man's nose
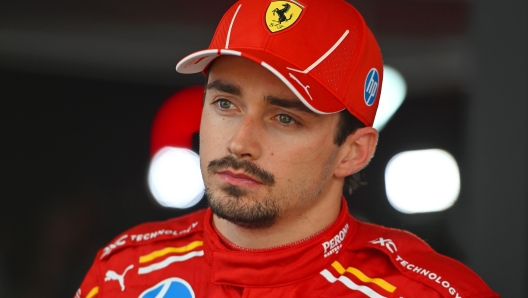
{"x": 245, "y": 142}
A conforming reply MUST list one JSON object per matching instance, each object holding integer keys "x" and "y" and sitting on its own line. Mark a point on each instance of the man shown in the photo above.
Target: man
{"x": 291, "y": 93}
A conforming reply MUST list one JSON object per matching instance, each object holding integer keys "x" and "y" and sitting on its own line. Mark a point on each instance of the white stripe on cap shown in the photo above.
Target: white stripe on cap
{"x": 231, "y": 27}
{"x": 230, "y": 52}
{"x": 314, "y": 65}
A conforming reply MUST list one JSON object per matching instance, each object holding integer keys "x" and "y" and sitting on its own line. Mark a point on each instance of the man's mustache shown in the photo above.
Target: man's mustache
{"x": 250, "y": 168}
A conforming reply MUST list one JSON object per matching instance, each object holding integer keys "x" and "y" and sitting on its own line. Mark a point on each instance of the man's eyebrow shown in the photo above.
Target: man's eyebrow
{"x": 224, "y": 87}
{"x": 289, "y": 104}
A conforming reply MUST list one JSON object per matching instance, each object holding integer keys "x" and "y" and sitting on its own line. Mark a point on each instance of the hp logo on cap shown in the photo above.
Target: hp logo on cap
{"x": 371, "y": 86}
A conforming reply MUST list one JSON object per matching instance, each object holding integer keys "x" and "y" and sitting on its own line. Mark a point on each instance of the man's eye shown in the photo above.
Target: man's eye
{"x": 283, "y": 118}
{"x": 224, "y": 104}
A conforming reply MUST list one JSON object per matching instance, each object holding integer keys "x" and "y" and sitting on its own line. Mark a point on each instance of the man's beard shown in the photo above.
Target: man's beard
{"x": 233, "y": 203}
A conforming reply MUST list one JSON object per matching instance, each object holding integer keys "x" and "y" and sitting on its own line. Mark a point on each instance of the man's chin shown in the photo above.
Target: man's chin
{"x": 233, "y": 191}
{"x": 238, "y": 209}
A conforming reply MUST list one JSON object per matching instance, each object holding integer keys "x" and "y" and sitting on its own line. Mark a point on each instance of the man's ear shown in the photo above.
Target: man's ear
{"x": 357, "y": 151}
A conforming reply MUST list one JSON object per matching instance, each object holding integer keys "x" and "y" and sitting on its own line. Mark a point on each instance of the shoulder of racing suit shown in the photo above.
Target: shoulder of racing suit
{"x": 415, "y": 259}
{"x": 150, "y": 232}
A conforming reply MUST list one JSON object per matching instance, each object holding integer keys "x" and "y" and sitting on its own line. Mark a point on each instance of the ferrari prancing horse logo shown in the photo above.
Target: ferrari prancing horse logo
{"x": 282, "y": 14}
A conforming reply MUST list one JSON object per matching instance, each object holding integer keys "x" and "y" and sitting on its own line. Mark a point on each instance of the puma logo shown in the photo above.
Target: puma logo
{"x": 112, "y": 275}
{"x": 303, "y": 86}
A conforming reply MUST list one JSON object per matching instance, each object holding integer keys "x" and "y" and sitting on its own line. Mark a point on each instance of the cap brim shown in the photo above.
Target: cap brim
{"x": 316, "y": 97}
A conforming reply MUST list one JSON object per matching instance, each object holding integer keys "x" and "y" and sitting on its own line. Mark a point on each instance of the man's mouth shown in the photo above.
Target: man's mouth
{"x": 238, "y": 179}
{"x": 233, "y": 171}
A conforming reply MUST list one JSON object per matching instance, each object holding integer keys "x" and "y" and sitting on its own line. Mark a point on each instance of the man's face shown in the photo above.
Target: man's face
{"x": 264, "y": 156}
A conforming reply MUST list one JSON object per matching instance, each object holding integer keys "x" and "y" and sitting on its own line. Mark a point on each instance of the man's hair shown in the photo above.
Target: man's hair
{"x": 346, "y": 126}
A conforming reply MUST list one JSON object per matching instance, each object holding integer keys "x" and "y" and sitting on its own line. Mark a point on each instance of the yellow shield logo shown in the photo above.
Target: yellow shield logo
{"x": 283, "y": 14}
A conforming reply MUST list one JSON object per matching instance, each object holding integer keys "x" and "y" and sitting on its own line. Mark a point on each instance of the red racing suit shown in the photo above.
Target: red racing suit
{"x": 186, "y": 257}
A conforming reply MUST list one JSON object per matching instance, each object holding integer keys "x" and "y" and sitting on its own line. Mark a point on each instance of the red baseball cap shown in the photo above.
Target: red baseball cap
{"x": 322, "y": 50}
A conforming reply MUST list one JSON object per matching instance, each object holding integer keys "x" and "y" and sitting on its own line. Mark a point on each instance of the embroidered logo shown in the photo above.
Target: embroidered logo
{"x": 119, "y": 242}
{"x": 385, "y": 243}
{"x": 112, "y": 275}
{"x": 334, "y": 245}
{"x": 282, "y": 14}
{"x": 169, "y": 288}
{"x": 371, "y": 86}
{"x": 303, "y": 86}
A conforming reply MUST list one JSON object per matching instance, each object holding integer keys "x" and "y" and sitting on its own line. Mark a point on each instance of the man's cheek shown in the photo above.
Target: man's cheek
{"x": 300, "y": 156}
{"x": 303, "y": 154}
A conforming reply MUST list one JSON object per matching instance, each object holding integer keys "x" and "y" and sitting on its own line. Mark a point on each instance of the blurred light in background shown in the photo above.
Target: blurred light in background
{"x": 393, "y": 93}
{"x": 174, "y": 176}
{"x": 175, "y": 179}
{"x": 422, "y": 181}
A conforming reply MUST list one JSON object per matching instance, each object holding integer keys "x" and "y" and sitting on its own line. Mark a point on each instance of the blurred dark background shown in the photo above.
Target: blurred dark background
{"x": 81, "y": 81}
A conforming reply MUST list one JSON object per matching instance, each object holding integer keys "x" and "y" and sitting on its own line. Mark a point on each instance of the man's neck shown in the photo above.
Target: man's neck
{"x": 287, "y": 230}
